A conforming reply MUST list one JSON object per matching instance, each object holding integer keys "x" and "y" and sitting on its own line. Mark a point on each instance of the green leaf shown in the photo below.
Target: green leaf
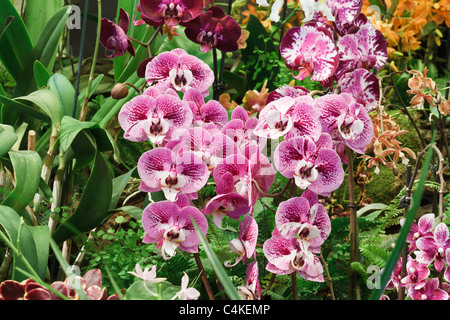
{"x": 7, "y": 138}
{"x": 37, "y": 13}
{"x": 94, "y": 203}
{"x": 41, "y": 75}
{"x": 64, "y": 91}
{"x": 217, "y": 266}
{"x": 119, "y": 184}
{"x": 41, "y": 236}
{"x": 141, "y": 290}
{"x": 11, "y": 222}
{"x": 13, "y": 106}
{"x": 27, "y": 174}
{"x": 15, "y": 41}
{"x": 133, "y": 211}
{"x": 44, "y": 51}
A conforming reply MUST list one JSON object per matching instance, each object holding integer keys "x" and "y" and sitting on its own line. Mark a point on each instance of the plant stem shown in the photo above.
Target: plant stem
{"x": 94, "y": 62}
{"x": 327, "y": 272}
{"x": 204, "y": 276}
{"x": 294, "y": 285}
{"x": 354, "y": 241}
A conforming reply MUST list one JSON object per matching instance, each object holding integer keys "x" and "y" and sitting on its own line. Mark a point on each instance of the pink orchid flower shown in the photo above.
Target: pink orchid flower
{"x": 313, "y": 165}
{"x": 416, "y": 275}
{"x": 345, "y": 120}
{"x": 154, "y": 118}
{"x": 179, "y": 70}
{"x": 344, "y": 11}
{"x": 209, "y": 112}
{"x": 227, "y": 202}
{"x": 114, "y": 36}
{"x": 433, "y": 248}
{"x": 309, "y": 50}
{"x": 365, "y": 48}
{"x": 146, "y": 274}
{"x": 286, "y": 91}
{"x": 286, "y": 256}
{"x": 171, "y": 228}
{"x": 301, "y": 219}
{"x": 289, "y": 117}
{"x": 163, "y": 169}
{"x": 430, "y": 291}
{"x": 186, "y": 293}
{"x": 252, "y": 288}
{"x": 169, "y": 12}
{"x": 423, "y": 228}
{"x": 245, "y": 245}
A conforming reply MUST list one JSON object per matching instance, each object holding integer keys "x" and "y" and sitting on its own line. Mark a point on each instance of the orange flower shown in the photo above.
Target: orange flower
{"x": 254, "y": 101}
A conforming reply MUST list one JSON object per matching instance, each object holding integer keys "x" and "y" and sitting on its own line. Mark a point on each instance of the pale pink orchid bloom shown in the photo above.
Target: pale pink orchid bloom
{"x": 186, "y": 293}
{"x": 146, "y": 274}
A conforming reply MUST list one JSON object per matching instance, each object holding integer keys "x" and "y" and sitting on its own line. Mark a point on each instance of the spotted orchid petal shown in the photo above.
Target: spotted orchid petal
{"x": 252, "y": 288}
{"x": 286, "y": 91}
{"x": 245, "y": 245}
{"x": 363, "y": 86}
{"x": 309, "y": 50}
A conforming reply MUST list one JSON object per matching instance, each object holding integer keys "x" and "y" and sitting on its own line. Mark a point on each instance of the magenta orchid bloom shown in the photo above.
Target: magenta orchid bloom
{"x": 286, "y": 256}
{"x": 344, "y": 11}
{"x": 169, "y": 12}
{"x": 416, "y": 275}
{"x": 241, "y": 128}
{"x": 179, "y": 70}
{"x": 309, "y": 50}
{"x": 252, "y": 288}
{"x": 363, "y": 86}
{"x": 345, "y": 120}
{"x": 171, "y": 228}
{"x": 396, "y": 276}
{"x": 290, "y": 118}
{"x": 214, "y": 29}
{"x": 114, "y": 36}
{"x": 430, "y": 291}
{"x": 433, "y": 248}
{"x": 227, "y": 202}
{"x": 423, "y": 228}
{"x": 245, "y": 245}
{"x": 212, "y": 148}
{"x": 313, "y": 165}
{"x": 209, "y": 112}
{"x": 163, "y": 169}
{"x": 309, "y": 224}
{"x": 366, "y": 48}
{"x": 147, "y": 118}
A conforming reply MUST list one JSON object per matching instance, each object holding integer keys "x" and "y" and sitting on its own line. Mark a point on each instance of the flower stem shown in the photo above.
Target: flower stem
{"x": 204, "y": 277}
{"x": 294, "y": 285}
{"x": 330, "y": 280}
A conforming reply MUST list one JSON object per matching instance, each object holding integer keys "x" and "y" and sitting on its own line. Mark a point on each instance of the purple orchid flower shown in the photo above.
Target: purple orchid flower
{"x": 366, "y": 48}
{"x": 345, "y": 120}
{"x": 169, "y": 12}
{"x": 163, "y": 169}
{"x": 114, "y": 36}
{"x": 309, "y": 50}
{"x": 289, "y": 117}
{"x": 416, "y": 275}
{"x": 286, "y": 256}
{"x": 313, "y": 165}
{"x": 433, "y": 248}
{"x": 363, "y": 86}
{"x": 209, "y": 112}
{"x": 214, "y": 29}
{"x": 396, "y": 276}
{"x": 344, "y": 11}
{"x": 423, "y": 228}
{"x": 179, "y": 70}
{"x": 309, "y": 224}
{"x": 430, "y": 291}
{"x": 170, "y": 226}
{"x": 211, "y": 148}
{"x": 245, "y": 245}
{"x": 252, "y": 288}
{"x": 286, "y": 91}
{"x": 145, "y": 117}
{"x": 241, "y": 128}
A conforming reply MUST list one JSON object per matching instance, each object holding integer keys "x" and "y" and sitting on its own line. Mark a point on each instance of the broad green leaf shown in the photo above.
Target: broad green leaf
{"x": 145, "y": 290}
{"x": 44, "y": 51}
{"x": 7, "y": 139}
{"x": 37, "y": 13}
{"x": 13, "y": 106}
{"x": 41, "y": 75}
{"x": 15, "y": 42}
{"x": 94, "y": 203}
{"x": 64, "y": 90}
{"x": 10, "y": 222}
{"x": 26, "y": 166}
{"x": 119, "y": 184}
{"x": 133, "y": 211}
{"x": 41, "y": 236}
